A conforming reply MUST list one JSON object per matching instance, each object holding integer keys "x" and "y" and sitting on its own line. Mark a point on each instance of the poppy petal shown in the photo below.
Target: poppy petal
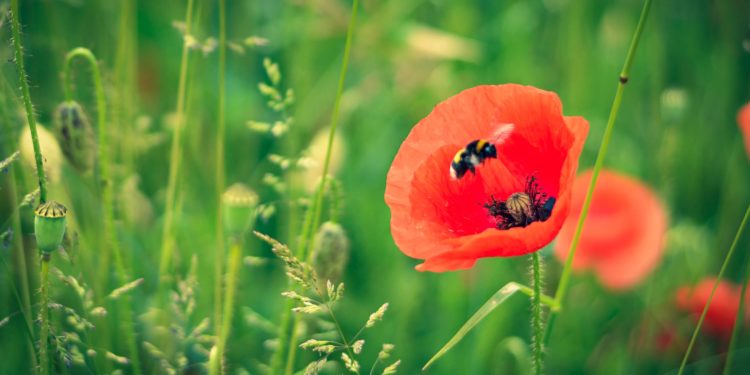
{"x": 444, "y": 220}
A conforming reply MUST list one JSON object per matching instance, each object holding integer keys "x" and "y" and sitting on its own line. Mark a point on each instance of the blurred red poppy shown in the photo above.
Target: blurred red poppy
{"x": 723, "y": 309}
{"x": 743, "y": 119}
{"x": 451, "y": 222}
{"x": 623, "y": 237}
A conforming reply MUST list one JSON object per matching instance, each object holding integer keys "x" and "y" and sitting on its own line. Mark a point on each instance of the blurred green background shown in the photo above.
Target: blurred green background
{"x": 676, "y": 131}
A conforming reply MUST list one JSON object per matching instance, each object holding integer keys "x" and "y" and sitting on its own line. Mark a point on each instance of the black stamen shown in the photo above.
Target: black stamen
{"x": 538, "y": 207}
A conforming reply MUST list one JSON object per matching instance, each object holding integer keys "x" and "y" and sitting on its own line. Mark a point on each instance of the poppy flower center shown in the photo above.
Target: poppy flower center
{"x": 521, "y": 208}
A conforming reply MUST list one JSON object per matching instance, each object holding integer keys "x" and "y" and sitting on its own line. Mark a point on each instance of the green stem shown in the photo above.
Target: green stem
{"x": 220, "y": 165}
{"x": 312, "y": 218}
{"x": 536, "y": 306}
{"x": 318, "y": 205}
{"x": 167, "y": 243}
{"x": 110, "y": 235}
{"x": 713, "y": 290}
{"x": 235, "y": 258}
{"x": 18, "y": 49}
{"x": 738, "y": 321}
{"x": 562, "y": 287}
{"x": 44, "y": 316}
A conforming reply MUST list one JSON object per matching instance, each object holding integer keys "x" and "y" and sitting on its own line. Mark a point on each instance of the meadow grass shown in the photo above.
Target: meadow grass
{"x": 181, "y": 110}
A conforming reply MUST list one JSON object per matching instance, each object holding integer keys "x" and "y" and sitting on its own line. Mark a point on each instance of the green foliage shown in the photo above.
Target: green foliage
{"x": 676, "y": 131}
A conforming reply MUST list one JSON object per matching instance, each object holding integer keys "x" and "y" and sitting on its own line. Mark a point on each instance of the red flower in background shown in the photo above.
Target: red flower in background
{"x": 451, "y": 222}
{"x": 623, "y": 237}
{"x": 743, "y": 119}
{"x": 723, "y": 309}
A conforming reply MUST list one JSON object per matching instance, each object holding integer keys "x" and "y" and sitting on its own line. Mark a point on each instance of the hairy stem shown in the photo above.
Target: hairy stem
{"x": 219, "y": 178}
{"x": 18, "y": 53}
{"x": 713, "y": 290}
{"x": 536, "y": 306}
{"x": 44, "y": 316}
{"x": 235, "y": 258}
{"x": 167, "y": 243}
{"x": 562, "y": 287}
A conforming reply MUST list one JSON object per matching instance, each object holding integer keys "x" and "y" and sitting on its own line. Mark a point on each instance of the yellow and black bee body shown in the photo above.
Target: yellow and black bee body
{"x": 471, "y": 156}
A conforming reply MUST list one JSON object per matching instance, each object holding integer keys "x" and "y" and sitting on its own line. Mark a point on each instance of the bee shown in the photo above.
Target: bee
{"x": 477, "y": 151}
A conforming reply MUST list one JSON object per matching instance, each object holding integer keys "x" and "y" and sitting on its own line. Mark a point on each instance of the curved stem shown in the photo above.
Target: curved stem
{"x": 44, "y": 316}
{"x": 562, "y": 287}
{"x": 220, "y": 165}
{"x": 536, "y": 307}
{"x": 235, "y": 258}
{"x": 110, "y": 235}
{"x": 713, "y": 290}
{"x": 28, "y": 106}
{"x": 167, "y": 243}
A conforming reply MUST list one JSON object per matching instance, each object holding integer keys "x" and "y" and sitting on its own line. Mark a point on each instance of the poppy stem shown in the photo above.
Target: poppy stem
{"x": 44, "y": 316}
{"x": 536, "y": 307}
{"x": 738, "y": 321}
{"x": 28, "y": 106}
{"x": 110, "y": 231}
{"x": 562, "y": 287}
{"x": 220, "y": 176}
{"x": 716, "y": 285}
{"x": 288, "y": 338}
{"x": 235, "y": 258}
{"x": 167, "y": 242}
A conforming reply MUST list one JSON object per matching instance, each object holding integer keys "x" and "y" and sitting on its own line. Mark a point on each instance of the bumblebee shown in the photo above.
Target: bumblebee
{"x": 471, "y": 156}
{"x": 477, "y": 151}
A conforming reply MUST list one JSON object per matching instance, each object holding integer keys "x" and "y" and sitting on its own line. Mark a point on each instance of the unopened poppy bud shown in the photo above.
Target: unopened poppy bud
{"x": 49, "y": 226}
{"x": 238, "y": 206}
{"x": 330, "y": 252}
{"x": 74, "y": 133}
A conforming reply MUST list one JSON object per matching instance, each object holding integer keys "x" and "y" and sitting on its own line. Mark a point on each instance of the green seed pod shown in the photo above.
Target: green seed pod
{"x": 75, "y": 135}
{"x": 330, "y": 252}
{"x": 49, "y": 226}
{"x": 238, "y": 207}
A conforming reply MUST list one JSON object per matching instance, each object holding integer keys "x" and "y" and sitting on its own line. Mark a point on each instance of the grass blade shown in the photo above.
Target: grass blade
{"x": 496, "y": 300}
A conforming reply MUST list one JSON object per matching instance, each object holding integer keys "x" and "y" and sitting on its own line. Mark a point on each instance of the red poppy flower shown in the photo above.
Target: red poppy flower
{"x": 451, "y": 222}
{"x": 743, "y": 119}
{"x": 723, "y": 309}
{"x": 623, "y": 237}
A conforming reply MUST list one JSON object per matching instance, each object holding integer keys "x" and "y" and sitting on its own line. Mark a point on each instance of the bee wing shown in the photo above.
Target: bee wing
{"x": 501, "y": 134}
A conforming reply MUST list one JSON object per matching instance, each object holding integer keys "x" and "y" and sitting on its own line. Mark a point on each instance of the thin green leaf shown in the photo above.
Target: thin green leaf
{"x": 498, "y": 298}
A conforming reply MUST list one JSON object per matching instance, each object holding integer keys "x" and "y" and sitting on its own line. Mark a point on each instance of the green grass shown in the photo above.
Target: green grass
{"x": 690, "y": 153}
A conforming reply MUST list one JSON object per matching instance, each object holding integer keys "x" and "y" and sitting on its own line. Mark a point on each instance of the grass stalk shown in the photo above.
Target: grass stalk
{"x": 312, "y": 218}
{"x": 220, "y": 167}
{"x": 28, "y": 106}
{"x": 167, "y": 243}
{"x": 623, "y": 79}
{"x": 713, "y": 290}
{"x": 536, "y": 316}
{"x": 738, "y": 321}
{"x": 235, "y": 259}
{"x": 111, "y": 242}
{"x": 44, "y": 361}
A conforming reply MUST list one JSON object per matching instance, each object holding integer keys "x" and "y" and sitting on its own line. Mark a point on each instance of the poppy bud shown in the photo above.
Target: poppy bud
{"x": 74, "y": 133}
{"x": 49, "y": 226}
{"x": 330, "y": 252}
{"x": 238, "y": 206}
